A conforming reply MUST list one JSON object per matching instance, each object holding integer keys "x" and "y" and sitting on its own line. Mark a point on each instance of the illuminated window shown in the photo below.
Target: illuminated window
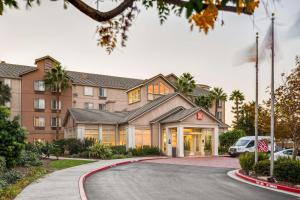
{"x": 91, "y": 133}
{"x": 163, "y": 89}
{"x": 142, "y": 137}
{"x": 109, "y": 136}
{"x": 156, "y": 89}
{"x": 134, "y": 95}
{"x": 122, "y": 137}
{"x": 39, "y": 122}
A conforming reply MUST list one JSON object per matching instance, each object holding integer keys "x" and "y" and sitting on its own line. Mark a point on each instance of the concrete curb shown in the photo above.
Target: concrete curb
{"x": 82, "y": 178}
{"x": 235, "y": 174}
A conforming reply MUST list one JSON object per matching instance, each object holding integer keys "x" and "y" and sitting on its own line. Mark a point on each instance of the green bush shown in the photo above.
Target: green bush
{"x": 12, "y": 176}
{"x": 29, "y": 158}
{"x": 87, "y": 143}
{"x": 74, "y": 146}
{"x": 61, "y": 144}
{"x": 288, "y": 170}
{"x": 119, "y": 156}
{"x": 55, "y": 150}
{"x": 119, "y": 149}
{"x": 2, "y": 165}
{"x": 228, "y": 138}
{"x": 101, "y": 151}
{"x": 247, "y": 160}
{"x": 12, "y": 137}
{"x": 262, "y": 168}
{"x": 145, "y": 151}
{"x": 3, "y": 184}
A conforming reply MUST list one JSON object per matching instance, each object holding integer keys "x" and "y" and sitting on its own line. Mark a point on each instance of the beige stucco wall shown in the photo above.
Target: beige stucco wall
{"x": 222, "y": 109}
{"x": 144, "y": 93}
{"x": 116, "y": 98}
{"x": 15, "y": 101}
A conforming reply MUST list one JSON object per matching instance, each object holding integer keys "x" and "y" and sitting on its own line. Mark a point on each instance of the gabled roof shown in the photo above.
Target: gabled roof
{"x": 13, "y": 70}
{"x": 151, "y": 105}
{"x": 146, "y": 81}
{"x": 167, "y": 114}
{"x": 46, "y": 57}
{"x": 199, "y": 91}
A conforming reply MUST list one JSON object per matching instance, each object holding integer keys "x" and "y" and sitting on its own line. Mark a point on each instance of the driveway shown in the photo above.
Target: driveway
{"x": 149, "y": 181}
{"x": 212, "y": 161}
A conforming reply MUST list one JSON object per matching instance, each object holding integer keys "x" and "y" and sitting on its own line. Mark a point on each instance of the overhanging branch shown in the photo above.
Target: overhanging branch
{"x": 105, "y": 16}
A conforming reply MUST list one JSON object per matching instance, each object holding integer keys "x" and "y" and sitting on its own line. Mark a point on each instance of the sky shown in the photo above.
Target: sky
{"x": 69, "y": 36}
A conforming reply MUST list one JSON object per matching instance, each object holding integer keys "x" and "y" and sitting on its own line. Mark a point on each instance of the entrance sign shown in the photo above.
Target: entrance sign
{"x": 200, "y": 116}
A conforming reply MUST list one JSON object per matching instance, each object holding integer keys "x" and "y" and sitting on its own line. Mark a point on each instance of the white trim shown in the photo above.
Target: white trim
{"x": 100, "y": 132}
{"x": 180, "y": 141}
{"x": 216, "y": 141}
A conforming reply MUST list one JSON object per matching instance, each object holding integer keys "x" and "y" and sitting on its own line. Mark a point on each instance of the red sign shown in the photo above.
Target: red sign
{"x": 263, "y": 146}
{"x": 200, "y": 116}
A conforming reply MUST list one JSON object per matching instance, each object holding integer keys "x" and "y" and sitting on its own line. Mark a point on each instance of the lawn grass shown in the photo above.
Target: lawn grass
{"x": 62, "y": 164}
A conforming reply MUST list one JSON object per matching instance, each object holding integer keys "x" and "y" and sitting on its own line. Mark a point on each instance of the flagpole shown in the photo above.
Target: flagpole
{"x": 272, "y": 102}
{"x": 256, "y": 101}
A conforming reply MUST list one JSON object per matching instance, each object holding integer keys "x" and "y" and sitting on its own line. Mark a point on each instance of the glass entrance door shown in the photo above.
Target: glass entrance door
{"x": 193, "y": 144}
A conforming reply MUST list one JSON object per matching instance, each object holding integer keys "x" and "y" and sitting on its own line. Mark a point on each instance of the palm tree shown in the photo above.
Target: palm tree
{"x": 56, "y": 79}
{"x": 204, "y": 101}
{"x": 237, "y": 97}
{"x": 217, "y": 94}
{"x": 186, "y": 84}
{"x": 5, "y": 94}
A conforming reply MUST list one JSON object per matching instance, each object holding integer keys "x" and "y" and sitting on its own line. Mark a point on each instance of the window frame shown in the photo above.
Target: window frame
{"x": 37, "y": 84}
{"x": 87, "y": 107}
{"x": 59, "y": 104}
{"x": 59, "y": 122}
{"x": 38, "y": 125}
{"x": 103, "y": 106}
{"x": 85, "y": 93}
{"x": 102, "y": 92}
{"x": 134, "y": 96}
{"x": 39, "y": 108}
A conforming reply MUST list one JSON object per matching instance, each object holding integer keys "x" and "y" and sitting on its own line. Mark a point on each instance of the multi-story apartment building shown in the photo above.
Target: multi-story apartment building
{"x": 115, "y": 110}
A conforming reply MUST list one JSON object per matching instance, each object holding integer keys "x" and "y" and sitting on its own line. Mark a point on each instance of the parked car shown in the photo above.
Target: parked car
{"x": 246, "y": 144}
{"x": 286, "y": 153}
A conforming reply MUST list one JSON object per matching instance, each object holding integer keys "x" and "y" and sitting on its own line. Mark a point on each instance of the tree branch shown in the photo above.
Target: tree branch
{"x": 101, "y": 16}
{"x": 105, "y": 16}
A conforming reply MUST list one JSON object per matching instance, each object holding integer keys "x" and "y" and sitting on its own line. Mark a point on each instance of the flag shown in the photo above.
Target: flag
{"x": 266, "y": 46}
{"x": 247, "y": 55}
{"x": 263, "y": 146}
{"x": 294, "y": 30}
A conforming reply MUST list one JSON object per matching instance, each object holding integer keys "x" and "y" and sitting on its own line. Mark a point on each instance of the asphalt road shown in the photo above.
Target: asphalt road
{"x": 149, "y": 181}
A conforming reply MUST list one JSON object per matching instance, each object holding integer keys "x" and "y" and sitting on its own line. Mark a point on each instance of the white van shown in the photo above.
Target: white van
{"x": 246, "y": 144}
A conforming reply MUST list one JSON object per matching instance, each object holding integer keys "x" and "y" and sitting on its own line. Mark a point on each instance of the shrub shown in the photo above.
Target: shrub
{"x": 61, "y": 144}
{"x": 55, "y": 150}
{"x": 228, "y": 138}
{"x": 3, "y": 184}
{"x": 145, "y": 151}
{"x": 12, "y": 176}
{"x": 247, "y": 160}
{"x": 119, "y": 156}
{"x": 74, "y": 146}
{"x": 286, "y": 169}
{"x": 12, "y": 138}
{"x": 101, "y": 151}
{"x": 262, "y": 168}
{"x": 2, "y": 165}
{"x": 87, "y": 142}
{"x": 119, "y": 149}
{"x": 29, "y": 158}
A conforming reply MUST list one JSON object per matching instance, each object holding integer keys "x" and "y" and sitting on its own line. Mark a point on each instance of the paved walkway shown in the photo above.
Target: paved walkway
{"x": 222, "y": 161}
{"x": 62, "y": 184}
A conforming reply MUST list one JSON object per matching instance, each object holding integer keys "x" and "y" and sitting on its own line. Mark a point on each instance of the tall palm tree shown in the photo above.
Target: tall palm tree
{"x": 204, "y": 101}
{"x": 56, "y": 79}
{"x": 237, "y": 97}
{"x": 5, "y": 94}
{"x": 217, "y": 94}
{"x": 186, "y": 84}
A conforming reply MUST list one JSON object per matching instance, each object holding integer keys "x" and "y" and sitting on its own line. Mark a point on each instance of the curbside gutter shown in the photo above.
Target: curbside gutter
{"x": 235, "y": 174}
{"x": 83, "y": 178}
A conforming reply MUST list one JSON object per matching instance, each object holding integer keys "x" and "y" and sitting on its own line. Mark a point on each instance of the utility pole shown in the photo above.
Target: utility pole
{"x": 272, "y": 102}
{"x": 256, "y": 101}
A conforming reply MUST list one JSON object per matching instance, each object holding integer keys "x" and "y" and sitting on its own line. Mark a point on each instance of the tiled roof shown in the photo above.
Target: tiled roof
{"x": 180, "y": 115}
{"x": 12, "y": 70}
{"x": 198, "y": 91}
{"x": 103, "y": 80}
{"x": 147, "y": 107}
{"x": 95, "y": 116}
{"x": 167, "y": 114}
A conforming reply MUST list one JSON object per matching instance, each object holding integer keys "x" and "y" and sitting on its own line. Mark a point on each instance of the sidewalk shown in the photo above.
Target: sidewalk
{"x": 62, "y": 184}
